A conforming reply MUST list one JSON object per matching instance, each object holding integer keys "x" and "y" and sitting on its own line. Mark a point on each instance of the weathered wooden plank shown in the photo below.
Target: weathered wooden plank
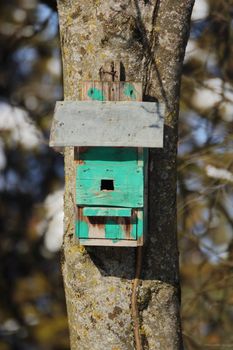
{"x": 127, "y": 185}
{"x": 112, "y": 228}
{"x": 128, "y": 124}
{"x": 110, "y": 243}
{"x": 111, "y": 91}
{"x": 106, "y": 156}
{"x": 130, "y": 91}
{"x": 102, "y": 211}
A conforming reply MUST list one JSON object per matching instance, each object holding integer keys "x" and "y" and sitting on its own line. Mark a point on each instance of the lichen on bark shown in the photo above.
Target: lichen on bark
{"x": 149, "y": 38}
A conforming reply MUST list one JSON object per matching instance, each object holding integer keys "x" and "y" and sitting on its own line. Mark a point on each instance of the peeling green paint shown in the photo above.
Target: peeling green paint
{"x": 113, "y": 230}
{"x": 81, "y": 229}
{"x": 129, "y": 91}
{"x": 134, "y": 229}
{"x": 120, "y": 166}
{"x": 106, "y": 211}
{"x": 95, "y": 94}
{"x": 140, "y": 223}
{"x": 125, "y": 168}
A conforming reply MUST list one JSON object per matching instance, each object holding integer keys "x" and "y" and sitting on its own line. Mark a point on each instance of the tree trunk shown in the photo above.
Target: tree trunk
{"x": 149, "y": 37}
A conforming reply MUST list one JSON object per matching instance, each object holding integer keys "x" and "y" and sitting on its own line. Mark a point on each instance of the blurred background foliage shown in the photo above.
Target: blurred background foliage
{"x": 32, "y": 304}
{"x": 205, "y": 178}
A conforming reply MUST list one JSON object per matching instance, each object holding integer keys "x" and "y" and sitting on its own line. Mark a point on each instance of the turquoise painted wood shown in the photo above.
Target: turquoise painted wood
{"x": 101, "y": 211}
{"x": 95, "y": 94}
{"x": 110, "y": 155}
{"x": 110, "y": 194}
{"x": 109, "y": 227}
{"x": 140, "y": 223}
{"x": 113, "y": 230}
{"x": 119, "y": 168}
{"x": 81, "y": 229}
{"x": 127, "y": 182}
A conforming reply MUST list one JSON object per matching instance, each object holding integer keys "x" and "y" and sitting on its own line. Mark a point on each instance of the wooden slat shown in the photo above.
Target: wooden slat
{"x": 108, "y": 156}
{"x": 128, "y": 185}
{"x": 111, "y": 228}
{"x": 111, "y": 91}
{"x": 130, "y": 91}
{"x": 101, "y": 211}
{"x": 95, "y": 123}
{"x": 110, "y": 243}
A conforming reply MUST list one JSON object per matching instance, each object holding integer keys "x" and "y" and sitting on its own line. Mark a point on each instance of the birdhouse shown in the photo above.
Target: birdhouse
{"x": 111, "y": 130}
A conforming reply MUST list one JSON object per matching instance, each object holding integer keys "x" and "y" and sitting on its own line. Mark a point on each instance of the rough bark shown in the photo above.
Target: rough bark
{"x": 149, "y": 37}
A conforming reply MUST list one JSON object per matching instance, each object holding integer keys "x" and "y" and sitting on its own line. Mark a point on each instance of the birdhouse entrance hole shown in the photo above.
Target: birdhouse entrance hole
{"x": 107, "y": 185}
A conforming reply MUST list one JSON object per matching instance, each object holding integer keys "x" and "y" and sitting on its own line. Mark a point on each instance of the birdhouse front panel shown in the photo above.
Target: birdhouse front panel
{"x": 109, "y": 195}
{"x": 108, "y": 176}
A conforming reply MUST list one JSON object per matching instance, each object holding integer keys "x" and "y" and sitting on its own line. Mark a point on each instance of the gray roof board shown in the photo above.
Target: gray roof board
{"x": 95, "y": 123}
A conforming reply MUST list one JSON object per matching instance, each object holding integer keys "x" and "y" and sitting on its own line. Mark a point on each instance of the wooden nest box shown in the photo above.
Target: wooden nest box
{"x": 111, "y": 130}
